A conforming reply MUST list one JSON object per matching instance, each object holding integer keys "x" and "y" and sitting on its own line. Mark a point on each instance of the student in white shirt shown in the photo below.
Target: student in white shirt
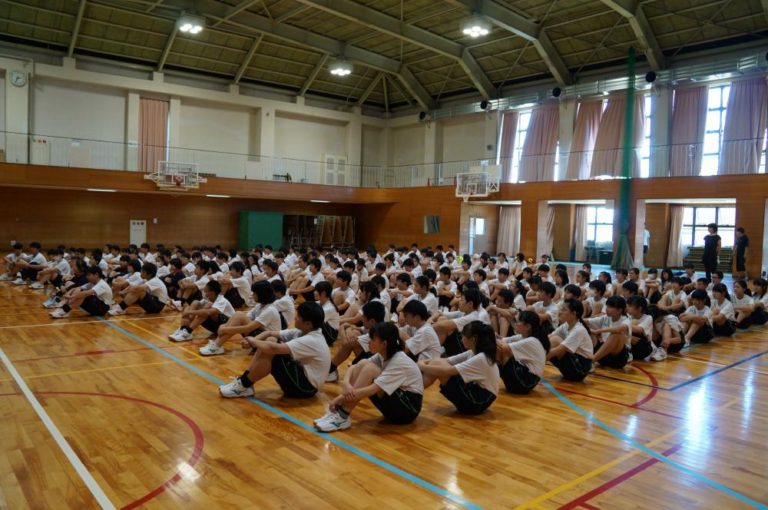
{"x": 594, "y": 304}
{"x": 743, "y": 304}
{"x": 30, "y": 265}
{"x": 674, "y": 300}
{"x": 145, "y": 255}
{"x": 449, "y": 324}
{"x": 517, "y": 265}
{"x": 94, "y": 298}
{"x": 547, "y": 310}
{"x": 506, "y": 308}
{"x": 298, "y": 358}
{"x": 696, "y": 319}
{"x": 572, "y": 349}
{"x": 263, "y": 317}
{"x": 57, "y": 269}
{"x": 723, "y": 315}
{"x": 420, "y": 293}
{"x": 611, "y": 334}
{"x": 10, "y": 262}
{"x": 642, "y": 328}
{"x": 522, "y": 357}
{"x": 284, "y": 304}
{"x": 210, "y": 313}
{"x": 470, "y": 380}
{"x": 390, "y": 379}
{"x": 421, "y": 341}
{"x": 760, "y": 301}
{"x": 331, "y": 325}
{"x": 343, "y": 294}
{"x": 306, "y": 285}
{"x": 355, "y": 340}
{"x": 236, "y": 286}
{"x": 446, "y": 288}
{"x": 191, "y": 288}
{"x": 151, "y": 296}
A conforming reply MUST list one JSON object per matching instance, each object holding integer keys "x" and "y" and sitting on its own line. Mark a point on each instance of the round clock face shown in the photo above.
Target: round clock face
{"x": 18, "y": 78}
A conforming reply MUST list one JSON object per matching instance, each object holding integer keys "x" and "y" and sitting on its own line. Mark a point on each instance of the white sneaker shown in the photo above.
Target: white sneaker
{"x": 235, "y": 389}
{"x": 181, "y": 336}
{"x": 659, "y": 355}
{"x": 116, "y": 310}
{"x": 333, "y": 423}
{"x": 19, "y": 281}
{"x": 332, "y": 376}
{"x": 211, "y": 349}
{"x": 37, "y": 286}
{"x": 50, "y": 302}
{"x": 5, "y": 277}
{"x": 324, "y": 417}
{"x": 59, "y": 313}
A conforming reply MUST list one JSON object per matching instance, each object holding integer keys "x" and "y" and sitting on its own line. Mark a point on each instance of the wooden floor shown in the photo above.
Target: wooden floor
{"x": 145, "y": 418}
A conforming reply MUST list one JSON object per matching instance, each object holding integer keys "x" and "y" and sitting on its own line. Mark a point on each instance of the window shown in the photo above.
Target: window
{"x": 717, "y": 100}
{"x": 523, "y": 119}
{"x": 600, "y": 225}
{"x": 696, "y": 219}
{"x": 432, "y": 224}
{"x": 478, "y": 226}
{"x": 645, "y": 148}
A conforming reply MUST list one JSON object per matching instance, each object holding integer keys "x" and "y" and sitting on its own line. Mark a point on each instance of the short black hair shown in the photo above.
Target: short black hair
{"x": 404, "y": 277}
{"x": 617, "y": 302}
{"x": 473, "y": 296}
{"x": 375, "y": 311}
{"x": 344, "y": 276}
{"x": 549, "y": 289}
{"x": 264, "y": 292}
{"x": 312, "y": 312}
{"x": 699, "y": 295}
{"x": 278, "y": 286}
{"x": 213, "y": 286}
{"x": 324, "y": 288}
{"x": 417, "y": 308}
{"x": 575, "y": 290}
{"x": 93, "y": 270}
{"x": 150, "y": 269}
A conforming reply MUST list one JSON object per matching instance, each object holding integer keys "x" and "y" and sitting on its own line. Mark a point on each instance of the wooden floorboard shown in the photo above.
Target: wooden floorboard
{"x": 145, "y": 417}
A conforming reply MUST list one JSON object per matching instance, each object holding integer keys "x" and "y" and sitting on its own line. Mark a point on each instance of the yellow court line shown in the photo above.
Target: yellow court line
{"x": 175, "y": 344}
{"x": 535, "y": 503}
{"x": 78, "y": 322}
{"x": 89, "y": 370}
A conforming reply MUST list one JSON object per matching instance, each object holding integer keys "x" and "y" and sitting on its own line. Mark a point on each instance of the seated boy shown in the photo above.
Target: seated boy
{"x": 94, "y": 298}
{"x": 151, "y": 296}
{"x": 210, "y": 313}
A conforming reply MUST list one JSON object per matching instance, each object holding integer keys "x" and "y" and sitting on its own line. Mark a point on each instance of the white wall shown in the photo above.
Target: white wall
{"x": 2, "y": 111}
{"x": 374, "y": 146}
{"x": 406, "y": 145}
{"x": 310, "y": 139}
{"x": 464, "y": 138}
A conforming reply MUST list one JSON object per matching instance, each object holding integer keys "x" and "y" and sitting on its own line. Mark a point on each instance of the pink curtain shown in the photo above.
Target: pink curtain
{"x": 508, "y": 237}
{"x": 153, "y": 133}
{"x": 584, "y": 134}
{"x": 508, "y": 132}
{"x": 689, "y": 116}
{"x": 609, "y": 145}
{"x": 744, "y": 130}
{"x": 580, "y": 232}
{"x": 675, "y": 246}
{"x": 539, "y": 151}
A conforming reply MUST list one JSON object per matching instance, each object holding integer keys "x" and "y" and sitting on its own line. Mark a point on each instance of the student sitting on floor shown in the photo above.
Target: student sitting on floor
{"x": 236, "y": 286}
{"x": 297, "y": 358}
{"x": 760, "y": 301}
{"x": 421, "y": 341}
{"x": 743, "y": 304}
{"x": 470, "y": 380}
{"x": 210, "y": 313}
{"x": 390, "y": 379}
{"x": 674, "y": 301}
{"x": 422, "y": 294}
{"x": 131, "y": 278}
{"x": 151, "y": 296}
{"x": 58, "y": 267}
{"x": 353, "y": 339}
{"x": 669, "y": 336}
{"x": 330, "y": 328}
{"x": 94, "y": 298}
{"x": 642, "y": 328}
{"x": 10, "y": 262}
{"x": 522, "y": 357}
{"x": 30, "y": 265}
{"x": 696, "y": 320}
{"x": 611, "y": 334}
{"x": 547, "y": 310}
{"x": 449, "y": 324}
{"x": 722, "y": 313}
{"x": 343, "y": 296}
{"x": 572, "y": 348}
{"x": 284, "y": 304}
{"x": 76, "y": 279}
{"x": 504, "y": 311}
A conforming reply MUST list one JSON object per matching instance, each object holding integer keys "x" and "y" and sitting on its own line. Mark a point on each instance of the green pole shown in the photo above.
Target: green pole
{"x": 622, "y": 256}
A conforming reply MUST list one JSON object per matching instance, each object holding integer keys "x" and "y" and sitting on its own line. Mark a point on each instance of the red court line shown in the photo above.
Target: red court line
{"x": 589, "y": 507}
{"x": 622, "y": 404}
{"x": 91, "y": 353}
{"x": 581, "y": 501}
{"x": 654, "y": 389}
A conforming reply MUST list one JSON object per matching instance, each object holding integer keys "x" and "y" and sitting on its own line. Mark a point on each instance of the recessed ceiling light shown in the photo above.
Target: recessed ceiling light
{"x": 340, "y": 67}
{"x": 320, "y": 201}
{"x": 217, "y": 196}
{"x": 190, "y": 24}
{"x": 476, "y": 26}
{"x": 102, "y": 190}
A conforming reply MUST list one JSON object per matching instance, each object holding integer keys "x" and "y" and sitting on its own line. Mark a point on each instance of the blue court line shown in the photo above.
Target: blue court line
{"x": 715, "y": 485}
{"x": 638, "y": 383}
{"x": 346, "y": 446}
{"x": 715, "y": 372}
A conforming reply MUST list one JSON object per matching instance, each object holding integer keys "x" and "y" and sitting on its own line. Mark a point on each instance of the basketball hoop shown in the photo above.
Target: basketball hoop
{"x": 178, "y": 179}
{"x": 179, "y": 176}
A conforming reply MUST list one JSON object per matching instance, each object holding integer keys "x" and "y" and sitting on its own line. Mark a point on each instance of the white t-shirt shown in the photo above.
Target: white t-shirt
{"x": 315, "y": 279}
{"x": 163, "y": 271}
{"x": 424, "y": 342}
{"x": 349, "y": 294}
{"x": 591, "y": 301}
{"x": 242, "y": 285}
{"x": 102, "y": 290}
{"x": 450, "y": 286}
{"x": 672, "y": 321}
{"x": 744, "y": 300}
{"x": 158, "y": 289}
{"x": 267, "y": 316}
{"x": 63, "y": 267}
{"x": 576, "y": 339}
{"x": 552, "y": 311}
{"x": 286, "y": 307}
{"x": 476, "y": 368}
{"x": 704, "y": 312}
{"x": 222, "y": 305}
{"x": 430, "y": 301}
{"x": 671, "y": 296}
{"x": 398, "y": 372}
{"x": 606, "y": 322}
{"x": 134, "y": 279}
{"x": 646, "y": 323}
{"x": 529, "y": 352}
{"x": 37, "y": 260}
{"x": 331, "y": 315}
{"x": 519, "y": 302}
{"x": 726, "y": 308}
{"x": 148, "y": 258}
{"x": 311, "y": 351}
{"x": 475, "y": 315}
{"x": 189, "y": 269}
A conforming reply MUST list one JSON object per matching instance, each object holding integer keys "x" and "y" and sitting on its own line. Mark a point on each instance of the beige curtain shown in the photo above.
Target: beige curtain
{"x": 675, "y": 248}
{"x": 607, "y": 158}
{"x": 508, "y": 238}
{"x": 584, "y": 135}
{"x": 689, "y": 117}
{"x": 580, "y": 233}
{"x": 153, "y": 133}
{"x": 549, "y": 233}
{"x": 744, "y": 130}
{"x": 539, "y": 151}
{"x": 508, "y": 133}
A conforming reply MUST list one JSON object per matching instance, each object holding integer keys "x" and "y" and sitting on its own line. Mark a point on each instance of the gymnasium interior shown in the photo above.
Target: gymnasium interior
{"x": 606, "y": 132}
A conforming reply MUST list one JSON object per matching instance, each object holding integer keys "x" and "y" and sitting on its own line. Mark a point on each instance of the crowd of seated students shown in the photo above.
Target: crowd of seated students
{"x": 405, "y": 318}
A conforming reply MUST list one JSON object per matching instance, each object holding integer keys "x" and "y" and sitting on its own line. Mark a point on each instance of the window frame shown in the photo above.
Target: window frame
{"x": 691, "y": 242}
{"x": 593, "y": 223}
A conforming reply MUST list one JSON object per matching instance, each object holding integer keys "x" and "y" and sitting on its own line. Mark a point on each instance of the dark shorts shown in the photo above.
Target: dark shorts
{"x": 150, "y": 304}
{"x": 469, "y": 398}
{"x": 443, "y": 301}
{"x": 728, "y": 328}
{"x": 283, "y": 322}
{"x": 197, "y": 295}
{"x": 56, "y": 282}
{"x": 673, "y": 348}
{"x": 213, "y": 324}
{"x": 573, "y": 367}
{"x": 745, "y": 323}
{"x": 330, "y": 334}
{"x": 401, "y": 407}
{"x": 94, "y": 306}
{"x": 704, "y": 335}
{"x": 759, "y": 317}
{"x": 291, "y": 378}
{"x": 360, "y": 357}
{"x": 517, "y": 378}
{"x": 741, "y": 264}
{"x": 642, "y": 348}
{"x": 453, "y": 344}
{"x": 615, "y": 360}
{"x": 234, "y": 298}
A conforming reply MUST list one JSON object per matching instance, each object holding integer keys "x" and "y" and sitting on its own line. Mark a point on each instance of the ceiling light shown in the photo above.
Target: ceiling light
{"x": 320, "y": 201}
{"x": 190, "y": 24}
{"x": 217, "y": 196}
{"x": 475, "y": 27}
{"x": 341, "y": 68}
{"x": 102, "y": 190}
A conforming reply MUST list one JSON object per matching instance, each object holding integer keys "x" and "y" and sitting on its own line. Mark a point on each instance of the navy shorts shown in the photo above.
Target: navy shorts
{"x": 94, "y": 306}
{"x": 642, "y": 348}
{"x": 728, "y": 328}
{"x": 330, "y": 334}
{"x": 291, "y": 378}
{"x": 213, "y": 325}
{"x": 573, "y": 367}
{"x": 469, "y": 398}
{"x": 517, "y": 378}
{"x": 234, "y": 298}
{"x": 704, "y": 335}
{"x": 614, "y": 360}
{"x": 150, "y": 304}
{"x": 401, "y": 407}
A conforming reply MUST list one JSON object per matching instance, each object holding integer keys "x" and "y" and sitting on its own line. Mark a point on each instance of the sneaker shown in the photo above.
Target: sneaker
{"x": 5, "y": 277}
{"x": 181, "y": 335}
{"x": 175, "y": 305}
{"x": 116, "y": 310}
{"x": 630, "y": 358}
{"x": 211, "y": 349}
{"x": 37, "y": 286}
{"x": 48, "y": 303}
{"x": 332, "y": 376}
{"x": 659, "y": 355}
{"x": 324, "y": 417}
{"x": 333, "y": 423}
{"x": 59, "y": 313}
{"x": 235, "y": 389}
{"x": 19, "y": 281}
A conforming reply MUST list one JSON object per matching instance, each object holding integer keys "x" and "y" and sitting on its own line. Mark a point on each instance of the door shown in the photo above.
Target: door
{"x": 138, "y": 232}
{"x": 477, "y": 236}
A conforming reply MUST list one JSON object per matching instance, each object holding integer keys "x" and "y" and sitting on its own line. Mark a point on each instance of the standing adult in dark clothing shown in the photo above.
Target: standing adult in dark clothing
{"x": 711, "y": 250}
{"x": 741, "y": 246}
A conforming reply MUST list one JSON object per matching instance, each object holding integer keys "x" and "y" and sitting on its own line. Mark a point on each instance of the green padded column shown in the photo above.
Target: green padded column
{"x": 260, "y": 227}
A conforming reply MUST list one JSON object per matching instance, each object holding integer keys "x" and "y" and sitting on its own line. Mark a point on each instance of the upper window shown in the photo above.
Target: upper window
{"x": 600, "y": 225}
{"x": 717, "y": 101}
{"x": 523, "y": 120}
{"x": 645, "y": 148}
{"x": 696, "y": 219}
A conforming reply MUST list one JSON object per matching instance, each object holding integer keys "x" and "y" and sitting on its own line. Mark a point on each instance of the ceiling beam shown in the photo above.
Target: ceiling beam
{"x": 384, "y": 23}
{"x": 248, "y": 22}
{"x": 167, "y": 49}
{"x": 513, "y": 22}
{"x": 231, "y": 11}
{"x": 295, "y": 12}
{"x": 633, "y": 11}
{"x": 247, "y": 60}
{"x": 386, "y": 95}
{"x": 152, "y": 7}
{"x": 76, "y": 29}
{"x": 313, "y": 75}
{"x": 367, "y": 92}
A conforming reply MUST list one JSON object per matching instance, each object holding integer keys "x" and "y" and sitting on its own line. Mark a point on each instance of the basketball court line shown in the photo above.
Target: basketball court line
{"x": 326, "y": 437}
{"x": 90, "y": 370}
{"x": 82, "y": 471}
{"x": 60, "y": 324}
{"x": 719, "y": 370}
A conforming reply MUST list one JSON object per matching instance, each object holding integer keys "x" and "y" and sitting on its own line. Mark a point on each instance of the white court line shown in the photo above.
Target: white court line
{"x": 59, "y": 324}
{"x": 93, "y": 486}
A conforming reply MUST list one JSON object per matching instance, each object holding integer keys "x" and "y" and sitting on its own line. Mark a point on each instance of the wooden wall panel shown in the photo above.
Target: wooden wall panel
{"x": 563, "y": 234}
{"x": 657, "y": 223}
{"x": 486, "y": 243}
